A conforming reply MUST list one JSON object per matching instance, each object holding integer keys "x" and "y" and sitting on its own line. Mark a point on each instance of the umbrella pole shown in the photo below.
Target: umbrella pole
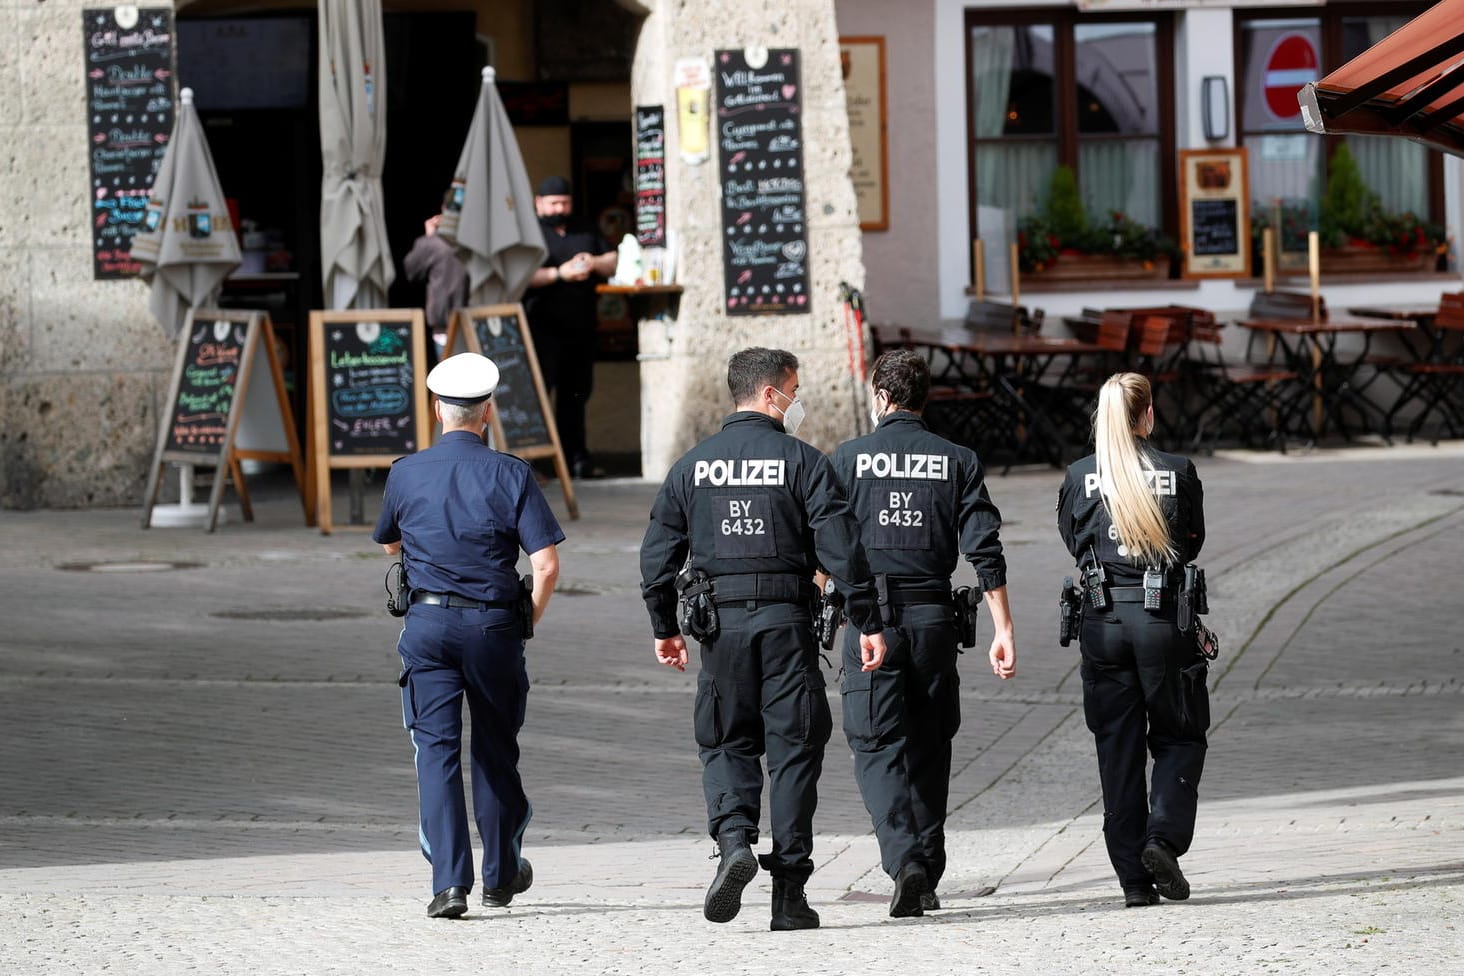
{"x": 185, "y": 514}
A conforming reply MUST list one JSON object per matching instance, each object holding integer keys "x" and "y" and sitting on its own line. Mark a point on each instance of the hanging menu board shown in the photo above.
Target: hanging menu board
{"x": 760, "y": 131}
{"x": 1214, "y": 225}
{"x": 368, "y": 393}
{"x": 650, "y": 175}
{"x": 521, "y": 421}
{"x": 129, "y": 90}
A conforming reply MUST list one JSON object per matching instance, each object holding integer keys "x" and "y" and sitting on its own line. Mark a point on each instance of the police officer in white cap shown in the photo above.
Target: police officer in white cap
{"x": 459, "y": 513}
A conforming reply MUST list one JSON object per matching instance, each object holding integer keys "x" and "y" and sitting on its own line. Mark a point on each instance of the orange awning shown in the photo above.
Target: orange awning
{"x": 1409, "y": 84}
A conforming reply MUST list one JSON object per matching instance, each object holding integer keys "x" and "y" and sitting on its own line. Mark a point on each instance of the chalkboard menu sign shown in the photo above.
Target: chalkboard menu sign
{"x": 368, "y": 393}
{"x": 369, "y": 381}
{"x": 521, "y": 422}
{"x": 224, "y": 359}
{"x": 516, "y": 398}
{"x": 1214, "y": 226}
{"x": 1214, "y": 222}
{"x": 760, "y": 131}
{"x": 129, "y": 90}
{"x": 650, "y": 175}
{"x": 204, "y": 395}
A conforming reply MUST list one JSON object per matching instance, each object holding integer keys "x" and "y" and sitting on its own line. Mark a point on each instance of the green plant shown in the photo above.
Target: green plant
{"x": 1064, "y": 206}
{"x": 1352, "y": 213}
{"x": 1348, "y": 204}
{"x": 1062, "y": 225}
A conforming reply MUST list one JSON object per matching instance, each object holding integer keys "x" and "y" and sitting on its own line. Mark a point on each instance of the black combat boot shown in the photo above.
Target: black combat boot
{"x": 790, "y": 907}
{"x": 1163, "y": 864}
{"x": 724, "y": 896}
{"x": 912, "y": 884}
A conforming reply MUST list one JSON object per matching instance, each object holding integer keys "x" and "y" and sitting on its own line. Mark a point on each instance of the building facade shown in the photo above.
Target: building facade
{"x": 984, "y": 103}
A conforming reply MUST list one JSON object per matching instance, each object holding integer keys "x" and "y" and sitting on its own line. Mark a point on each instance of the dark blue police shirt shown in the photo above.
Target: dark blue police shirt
{"x": 462, "y": 511}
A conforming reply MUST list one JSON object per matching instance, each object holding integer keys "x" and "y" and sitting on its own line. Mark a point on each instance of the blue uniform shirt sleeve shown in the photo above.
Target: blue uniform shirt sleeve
{"x": 537, "y": 526}
{"x": 387, "y": 530}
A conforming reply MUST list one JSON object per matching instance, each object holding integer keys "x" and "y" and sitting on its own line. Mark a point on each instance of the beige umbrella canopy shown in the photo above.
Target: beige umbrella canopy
{"x": 491, "y": 217}
{"x": 355, "y": 257}
{"x": 186, "y": 246}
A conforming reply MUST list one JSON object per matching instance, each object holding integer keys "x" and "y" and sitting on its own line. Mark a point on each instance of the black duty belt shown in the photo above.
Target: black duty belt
{"x": 761, "y": 588}
{"x": 459, "y": 602}
{"x": 920, "y": 594}
{"x": 1135, "y": 594}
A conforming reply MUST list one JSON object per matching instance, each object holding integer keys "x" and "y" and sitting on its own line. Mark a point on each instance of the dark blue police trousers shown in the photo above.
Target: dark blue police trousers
{"x": 760, "y": 690}
{"x": 900, "y": 721}
{"x": 1144, "y": 685}
{"x": 448, "y": 654}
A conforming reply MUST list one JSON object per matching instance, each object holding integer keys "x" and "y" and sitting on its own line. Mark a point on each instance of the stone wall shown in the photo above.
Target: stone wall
{"x": 83, "y": 365}
{"x": 684, "y": 361}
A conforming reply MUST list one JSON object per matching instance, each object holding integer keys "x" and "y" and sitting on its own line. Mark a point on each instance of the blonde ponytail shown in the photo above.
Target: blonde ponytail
{"x": 1121, "y": 464}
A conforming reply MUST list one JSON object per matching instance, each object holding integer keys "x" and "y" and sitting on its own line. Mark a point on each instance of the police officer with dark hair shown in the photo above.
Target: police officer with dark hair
{"x": 1133, "y": 516}
{"x": 921, "y": 503}
{"x": 750, "y": 513}
{"x": 459, "y": 512}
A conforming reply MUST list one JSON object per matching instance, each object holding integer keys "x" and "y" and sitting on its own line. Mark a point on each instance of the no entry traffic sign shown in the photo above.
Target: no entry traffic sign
{"x": 1290, "y": 65}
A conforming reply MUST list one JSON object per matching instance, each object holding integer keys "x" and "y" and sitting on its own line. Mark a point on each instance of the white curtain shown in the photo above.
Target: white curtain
{"x": 1014, "y": 173}
{"x": 1395, "y": 169}
{"x": 1121, "y": 175}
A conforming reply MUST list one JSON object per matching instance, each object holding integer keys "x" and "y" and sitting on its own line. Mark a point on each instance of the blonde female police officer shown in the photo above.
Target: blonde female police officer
{"x": 1133, "y": 508}
{"x": 459, "y": 512}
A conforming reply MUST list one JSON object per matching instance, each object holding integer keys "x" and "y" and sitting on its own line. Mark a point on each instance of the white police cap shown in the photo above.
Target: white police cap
{"x": 464, "y": 379}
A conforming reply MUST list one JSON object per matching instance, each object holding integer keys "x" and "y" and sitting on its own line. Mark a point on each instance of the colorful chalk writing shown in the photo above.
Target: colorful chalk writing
{"x": 129, "y": 81}
{"x": 764, "y": 234}
{"x": 369, "y": 375}
{"x": 206, "y": 388}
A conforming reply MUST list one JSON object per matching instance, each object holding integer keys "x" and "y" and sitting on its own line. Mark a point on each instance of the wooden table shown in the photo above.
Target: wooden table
{"x": 1008, "y": 367}
{"x": 1310, "y": 348}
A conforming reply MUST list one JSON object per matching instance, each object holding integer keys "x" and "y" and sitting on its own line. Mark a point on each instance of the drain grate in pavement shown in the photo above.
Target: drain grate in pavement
{"x": 135, "y": 566}
{"x": 1448, "y": 492}
{"x": 574, "y": 591}
{"x": 289, "y": 614}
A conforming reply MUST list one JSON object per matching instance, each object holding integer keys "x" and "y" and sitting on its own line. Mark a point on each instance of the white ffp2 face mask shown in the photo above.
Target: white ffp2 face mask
{"x": 874, "y": 412}
{"x": 793, "y": 416}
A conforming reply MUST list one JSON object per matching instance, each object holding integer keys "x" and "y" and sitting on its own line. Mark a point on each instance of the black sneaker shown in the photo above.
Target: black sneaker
{"x": 1139, "y": 896}
{"x": 930, "y": 901}
{"x": 911, "y": 884}
{"x": 724, "y": 895}
{"x": 1163, "y": 864}
{"x": 500, "y": 897}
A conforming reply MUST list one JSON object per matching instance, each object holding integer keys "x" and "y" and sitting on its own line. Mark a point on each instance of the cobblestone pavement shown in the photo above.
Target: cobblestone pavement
{"x": 204, "y": 769}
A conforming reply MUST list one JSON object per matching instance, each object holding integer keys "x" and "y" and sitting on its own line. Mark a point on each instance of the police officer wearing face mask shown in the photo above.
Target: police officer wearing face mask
{"x": 751, "y": 512}
{"x": 459, "y": 513}
{"x": 1132, "y": 516}
{"x": 921, "y": 503}
{"x": 560, "y": 304}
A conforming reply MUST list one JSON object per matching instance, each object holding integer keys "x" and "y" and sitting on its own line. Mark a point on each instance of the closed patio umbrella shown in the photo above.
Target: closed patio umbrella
{"x": 491, "y": 217}
{"x": 1410, "y": 84}
{"x": 186, "y": 246}
{"x": 356, "y": 262}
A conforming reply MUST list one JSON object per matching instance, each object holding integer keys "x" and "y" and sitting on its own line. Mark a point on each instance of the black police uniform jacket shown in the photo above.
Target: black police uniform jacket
{"x": 922, "y": 503}
{"x": 751, "y": 499}
{"x": 1084, "y": 522}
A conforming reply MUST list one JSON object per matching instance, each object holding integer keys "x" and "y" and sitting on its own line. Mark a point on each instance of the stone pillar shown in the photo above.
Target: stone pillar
{"x": 82, "y": 362}
{"x": 684, "y": 361}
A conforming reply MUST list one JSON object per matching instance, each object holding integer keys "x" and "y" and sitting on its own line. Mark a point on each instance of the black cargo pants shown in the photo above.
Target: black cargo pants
{"x": 760, "y": 691}
{"x": 900, "y": 721}
{"x": 1141, "y": 687}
